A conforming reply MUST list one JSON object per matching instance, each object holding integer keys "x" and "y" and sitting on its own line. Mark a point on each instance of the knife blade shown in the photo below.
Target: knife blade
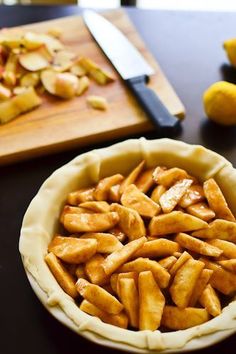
{"x": 133, "y": 69}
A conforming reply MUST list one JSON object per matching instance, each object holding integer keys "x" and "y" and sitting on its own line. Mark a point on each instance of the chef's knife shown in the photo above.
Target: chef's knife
{"x": 132, "y": 67}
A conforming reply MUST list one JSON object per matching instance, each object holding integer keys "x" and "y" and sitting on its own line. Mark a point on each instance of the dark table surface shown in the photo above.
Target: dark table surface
{"x": 188, "y": 46}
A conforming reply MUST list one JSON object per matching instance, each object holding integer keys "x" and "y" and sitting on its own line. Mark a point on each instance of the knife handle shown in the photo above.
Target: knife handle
{"x": 151, "y": 104}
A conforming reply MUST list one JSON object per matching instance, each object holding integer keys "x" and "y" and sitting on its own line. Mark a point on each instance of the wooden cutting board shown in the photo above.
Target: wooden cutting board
{"x": 62, "y": 124}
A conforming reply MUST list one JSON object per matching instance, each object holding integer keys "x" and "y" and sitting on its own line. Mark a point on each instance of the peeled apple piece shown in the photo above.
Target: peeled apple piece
{"x": 9, "y": 72}
{"x": 35, "y": 60}
{"x": 64, "y": 85}
{"x": 5, "y": 93}
{"x": 48, "y": 78}
{"x": 18, "y": 90}
{"x": 83, "y": 85}
{"x": 11, "y": 39}
{"x": 29, "y": 79}
{"x": 63, "y": 60}
{"x": 22, "y": 103}
{"x": 32, "y": 40}
{"x": 55, "y": 32}
{"x": 51, "y": 43}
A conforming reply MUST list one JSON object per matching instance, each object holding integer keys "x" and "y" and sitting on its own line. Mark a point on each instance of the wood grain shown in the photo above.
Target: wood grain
{"x": 62, "y": 124}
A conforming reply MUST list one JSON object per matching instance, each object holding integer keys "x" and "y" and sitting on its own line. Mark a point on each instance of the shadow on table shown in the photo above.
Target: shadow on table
{"x": 228, "y": 73}
{"x": 217, "y": 136}
{"x": 61, "y": 339}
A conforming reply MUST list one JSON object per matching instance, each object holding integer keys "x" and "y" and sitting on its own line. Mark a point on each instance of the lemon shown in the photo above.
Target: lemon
{"x": 230, "y": 48}
{"x": 220, "y": 103}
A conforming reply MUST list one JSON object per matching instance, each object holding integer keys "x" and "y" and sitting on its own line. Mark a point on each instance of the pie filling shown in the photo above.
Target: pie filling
{"x": 154, "y": 249}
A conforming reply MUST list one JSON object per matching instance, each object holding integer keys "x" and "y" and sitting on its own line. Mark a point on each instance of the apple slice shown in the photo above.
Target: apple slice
{"x": 51, "y": 43}
{"x": 63, "y": 60}
{"x": 32, "y": 40}
{"x": 83, "y": 85}
{"x": 63, "y": 85}
{"x": 48, "y": 79}
{"x": 36, "y": 60}
{"x": 9, "y": 73}
{"x": 18, "y": 90}
{"x": 55, "y": 32}
{"x": 77, "y": 69}
{"x": 11, "y": 39}
{"x": 101, "y": 76}
{"x": 29, "y": 79}
{"x": 5, "y": 92}
{"x": 66, "y": 85}
{"x": 22, "y": 103}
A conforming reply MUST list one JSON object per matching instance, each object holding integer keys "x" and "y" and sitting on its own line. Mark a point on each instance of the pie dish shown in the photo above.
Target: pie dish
{"x": 41, "y": 222}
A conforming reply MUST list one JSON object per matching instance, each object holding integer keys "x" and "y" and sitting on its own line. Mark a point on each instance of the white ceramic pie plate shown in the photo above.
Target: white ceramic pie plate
{"x": 41, "y": 221}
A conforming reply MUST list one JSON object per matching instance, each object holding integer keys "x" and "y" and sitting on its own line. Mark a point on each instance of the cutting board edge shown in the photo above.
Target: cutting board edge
{"x": 25, "y": 152}
{"x": 88, "y": 141}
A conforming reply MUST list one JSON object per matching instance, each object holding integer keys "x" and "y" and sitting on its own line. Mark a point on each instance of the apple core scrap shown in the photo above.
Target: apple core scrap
{"x": 31, "y": 63}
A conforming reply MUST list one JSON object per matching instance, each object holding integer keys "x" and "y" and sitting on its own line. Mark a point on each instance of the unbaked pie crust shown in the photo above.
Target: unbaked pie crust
{"x": 42, "y": 219}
